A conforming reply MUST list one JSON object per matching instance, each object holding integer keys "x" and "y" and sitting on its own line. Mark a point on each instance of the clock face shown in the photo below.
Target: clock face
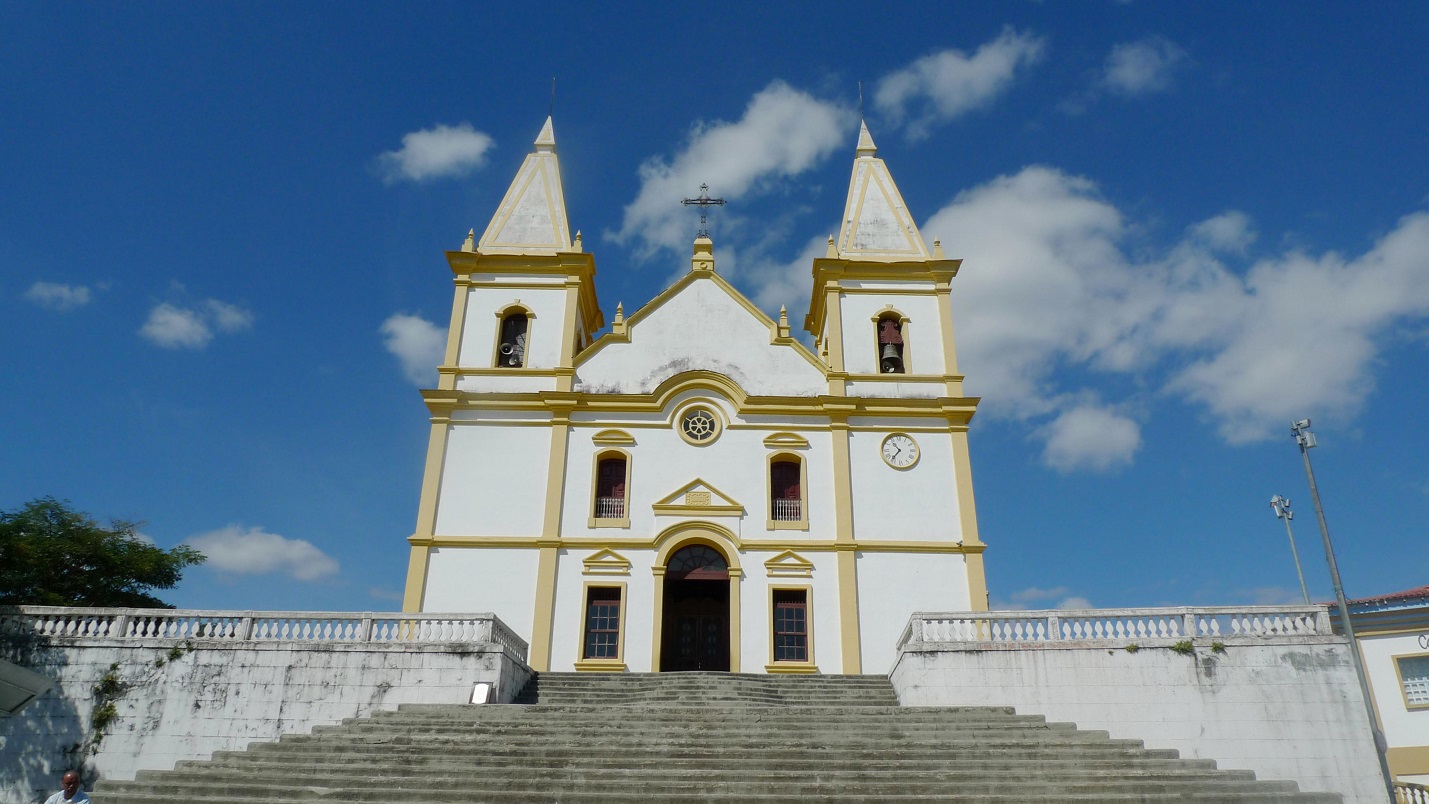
{"x": 900, "y": 451}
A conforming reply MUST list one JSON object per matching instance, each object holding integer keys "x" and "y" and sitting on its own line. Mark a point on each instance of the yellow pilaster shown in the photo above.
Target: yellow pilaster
{"x": 844, "y": 544}
{"x": 416, "y": 588}
{"x": 564, "y": 381}
{"x": 543, "y": 620}
{"x": 834, "y": 334}
{"x": 950, "y": 350}
{"x": 967, "y": 516}
{"x": 447, "y": 382}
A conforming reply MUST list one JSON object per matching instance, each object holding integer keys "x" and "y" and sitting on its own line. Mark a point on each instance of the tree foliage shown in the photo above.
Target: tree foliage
{"x": 52, "y": 555}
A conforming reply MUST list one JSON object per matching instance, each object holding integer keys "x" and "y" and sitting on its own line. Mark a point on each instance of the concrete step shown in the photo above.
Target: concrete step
{"x": 699, "y": 737}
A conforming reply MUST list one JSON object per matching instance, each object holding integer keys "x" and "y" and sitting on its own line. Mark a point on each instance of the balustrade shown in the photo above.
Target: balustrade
{"x": 1410, "y": 793}
{"x": 787, "y": 510}
{"x": 1115, "y": 624}
{"x": 609, "y": 507}
{"x": 260, "y": 626}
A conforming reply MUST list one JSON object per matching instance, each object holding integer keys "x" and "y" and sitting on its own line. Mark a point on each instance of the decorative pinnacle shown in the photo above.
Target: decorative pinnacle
{"x": 470, "y": 243}
{"x": 704, "y": 202}
{"x": 619, "y": 312}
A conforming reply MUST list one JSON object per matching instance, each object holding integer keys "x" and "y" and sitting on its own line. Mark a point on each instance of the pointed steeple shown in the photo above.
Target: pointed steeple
{"x": 532, "y": 217}
{"x": 876, "y": 223}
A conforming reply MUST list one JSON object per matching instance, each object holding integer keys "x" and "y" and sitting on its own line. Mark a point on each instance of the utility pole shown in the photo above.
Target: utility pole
{"x": 1282, "y": 511}
{"x": 1306, "y": 441}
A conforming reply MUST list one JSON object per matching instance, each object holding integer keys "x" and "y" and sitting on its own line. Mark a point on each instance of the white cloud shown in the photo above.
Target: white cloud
{"x": 943, "y": 85}
{"x": 55, "y": 296}
{"x": 1033, "y": 596}
{"x": 783, "y": 133}
{"x": 174, "y": 327}
{"x": 1049, "y": 304}
{"x": 227, "y": 317}
{"x": 419, "y": 345}
{"x": 435, "y": 153}
{"x": 1092, "y": 438}
{"x": 1142, "y": 67}
{"x": 254, "y": 551}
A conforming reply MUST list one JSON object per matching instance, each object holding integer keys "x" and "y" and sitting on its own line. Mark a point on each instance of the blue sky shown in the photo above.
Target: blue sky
{"x": 221, "y": 236}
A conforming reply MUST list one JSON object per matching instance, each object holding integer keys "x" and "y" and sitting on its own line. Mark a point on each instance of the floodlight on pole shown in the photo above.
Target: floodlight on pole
{"x": 1282, "y": 511}
{"x": 1306, "y": 441}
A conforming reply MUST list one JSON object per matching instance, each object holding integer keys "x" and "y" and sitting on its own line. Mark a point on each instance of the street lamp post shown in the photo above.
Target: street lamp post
{"x": 1282, "y": 511}
{"x": 1306, "y": 441}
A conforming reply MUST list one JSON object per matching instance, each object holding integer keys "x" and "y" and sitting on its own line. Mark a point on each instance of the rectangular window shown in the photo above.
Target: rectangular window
{"x": 1414, "y": 674}
{"x": 791, "y": 625}
{"x": 602, "y": 622}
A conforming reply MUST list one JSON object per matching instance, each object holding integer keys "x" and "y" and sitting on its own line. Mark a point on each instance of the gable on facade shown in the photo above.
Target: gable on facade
{"x": 701, "y": 323}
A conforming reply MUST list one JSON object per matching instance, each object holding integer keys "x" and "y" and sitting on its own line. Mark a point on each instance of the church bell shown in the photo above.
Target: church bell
{"x": 891, "y": 361}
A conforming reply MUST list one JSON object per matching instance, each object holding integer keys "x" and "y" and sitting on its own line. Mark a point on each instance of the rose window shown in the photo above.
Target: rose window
{"x": 699, "y": 426}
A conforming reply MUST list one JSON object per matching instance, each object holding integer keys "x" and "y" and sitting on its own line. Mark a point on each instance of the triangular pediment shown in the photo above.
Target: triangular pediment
{"x": 789, "y": 564}
{"x": 606, "y": 562}
{"x": 531, "y": 218}
{"x": 698, "y": 498}
{"x": 876, "y": 223}
{"x": 701, "y": 323}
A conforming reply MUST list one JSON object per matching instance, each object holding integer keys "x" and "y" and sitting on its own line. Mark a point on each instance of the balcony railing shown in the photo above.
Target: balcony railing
{"x": 609, "y": 507}
{"x": 1411, "y": 793}
{"x": 787, "y": 510}
{"x": 258, "y": 626}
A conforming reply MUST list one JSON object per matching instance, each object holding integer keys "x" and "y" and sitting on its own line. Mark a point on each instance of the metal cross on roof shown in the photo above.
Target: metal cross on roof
{"x": 704, "y": 202}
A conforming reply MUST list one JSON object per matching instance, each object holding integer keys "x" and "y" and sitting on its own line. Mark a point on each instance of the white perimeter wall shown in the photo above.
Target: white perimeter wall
{"x": 219, "y": 697}
{"x": 1291, "y": 709}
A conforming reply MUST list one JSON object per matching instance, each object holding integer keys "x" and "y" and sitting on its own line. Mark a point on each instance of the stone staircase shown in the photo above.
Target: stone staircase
{"x": 681, "y": 737}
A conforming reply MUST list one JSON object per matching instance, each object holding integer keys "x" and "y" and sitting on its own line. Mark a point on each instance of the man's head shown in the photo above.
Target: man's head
{"x": 70, "y": 783}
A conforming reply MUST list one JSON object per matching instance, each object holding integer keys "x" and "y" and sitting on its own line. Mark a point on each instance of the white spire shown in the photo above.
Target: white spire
{"x": 532, "y": 216}
{"x": 876, "y": 223}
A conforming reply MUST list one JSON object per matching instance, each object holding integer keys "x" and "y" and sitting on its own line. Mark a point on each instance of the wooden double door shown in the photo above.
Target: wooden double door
{"x": 696, "y": 625}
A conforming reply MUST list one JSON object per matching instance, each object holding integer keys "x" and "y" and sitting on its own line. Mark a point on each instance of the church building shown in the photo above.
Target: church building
{"x": 696, "y": 489}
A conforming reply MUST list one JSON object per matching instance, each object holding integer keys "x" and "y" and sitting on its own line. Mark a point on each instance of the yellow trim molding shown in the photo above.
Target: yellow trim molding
{"x": 606, "y": 562}
{"x": 786, "y": 440}
{"x": 593, "y": 521}
{"x": 697, "y": 498}
{"x": 770, "y": 523}
{"x": 789, "y": 564}
{"x": 1409, "y": 760}
{"x": 711, "y": 535}
{"x": 616, "y": 665}
{"x": 804, "y": 667}
{"x": 1399, "y": 677}
{"x": 612, "y": 438}
{"x": 510, "y": 309}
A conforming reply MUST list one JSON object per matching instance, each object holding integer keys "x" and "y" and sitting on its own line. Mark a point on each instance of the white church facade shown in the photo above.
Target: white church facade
{"x": 696, "y": 489}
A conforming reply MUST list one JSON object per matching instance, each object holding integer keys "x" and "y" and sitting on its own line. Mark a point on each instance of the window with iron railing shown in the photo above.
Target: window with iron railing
{"x": 786, "y": 493}
{"x": 610, "y": 488}
{"x": 609, "y": 507}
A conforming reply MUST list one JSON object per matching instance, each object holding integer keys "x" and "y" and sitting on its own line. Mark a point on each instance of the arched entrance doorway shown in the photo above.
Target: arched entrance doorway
{"x": 695, "y": 606}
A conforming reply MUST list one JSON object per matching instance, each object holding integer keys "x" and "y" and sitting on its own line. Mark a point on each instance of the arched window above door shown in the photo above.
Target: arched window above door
{"x": 697, "y": 562}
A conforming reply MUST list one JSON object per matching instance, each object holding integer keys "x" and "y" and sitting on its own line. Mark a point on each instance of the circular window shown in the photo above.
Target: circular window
{"x": 699, "y": 426}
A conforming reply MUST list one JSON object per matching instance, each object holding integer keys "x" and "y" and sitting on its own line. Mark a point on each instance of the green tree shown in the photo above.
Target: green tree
{"x": 53, "y": 555}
